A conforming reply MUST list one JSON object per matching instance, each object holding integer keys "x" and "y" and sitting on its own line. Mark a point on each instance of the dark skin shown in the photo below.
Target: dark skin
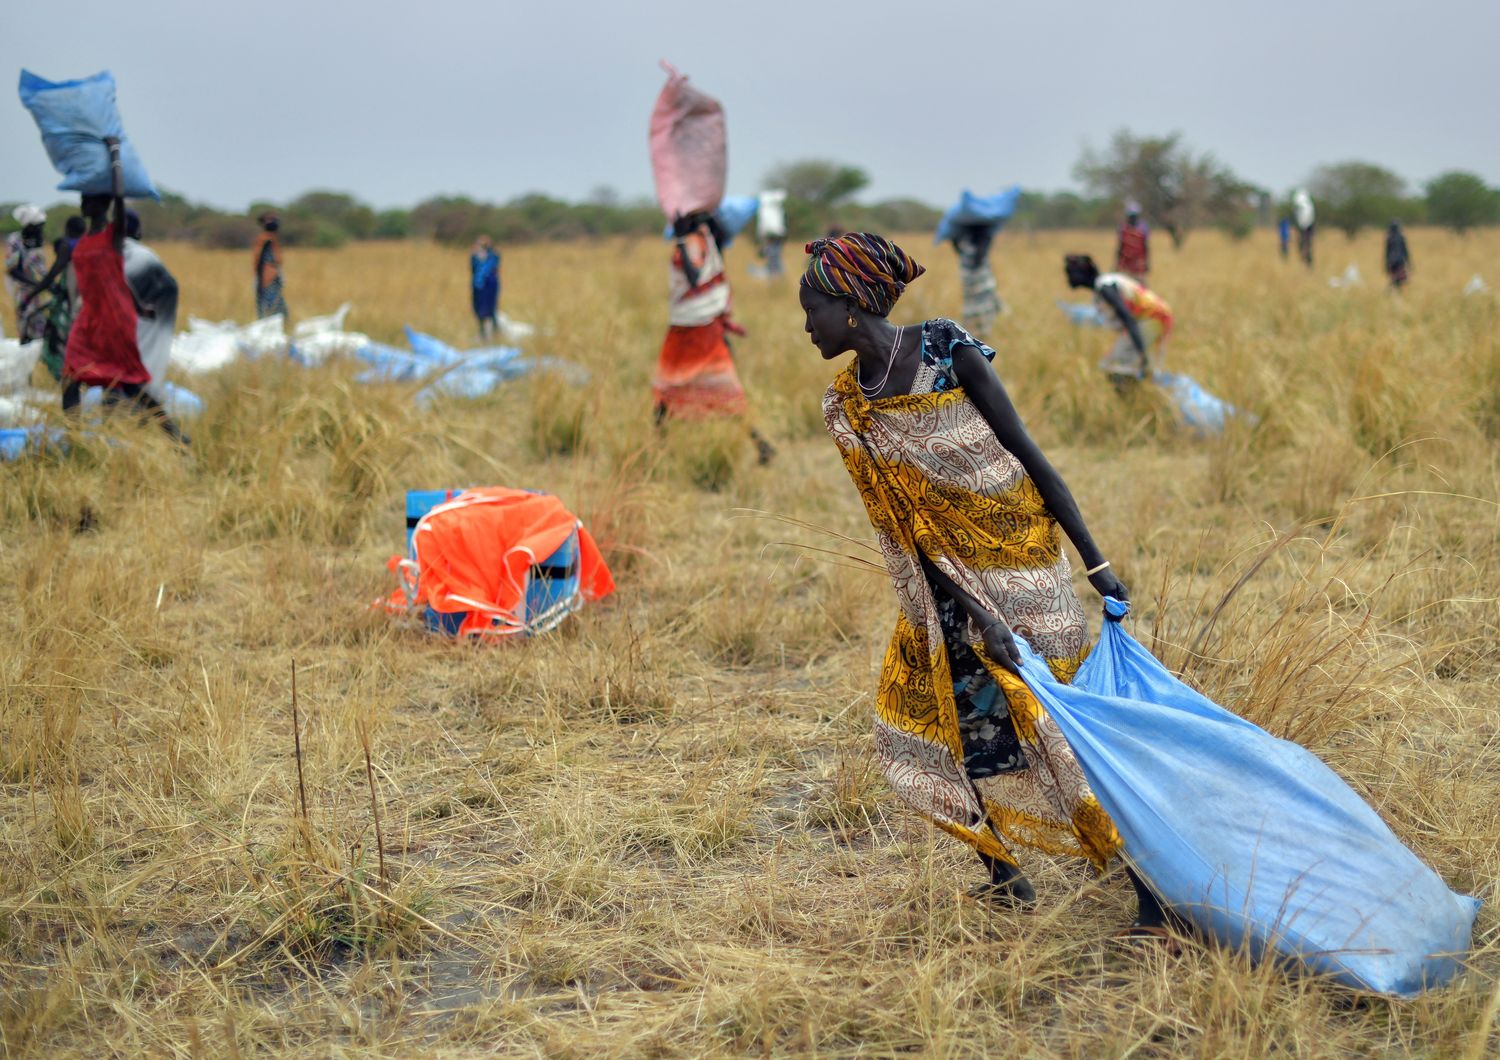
{"x": 1111, "y": 297}
{"x": 889, "y": 357}
{"x": 60, "y": 262}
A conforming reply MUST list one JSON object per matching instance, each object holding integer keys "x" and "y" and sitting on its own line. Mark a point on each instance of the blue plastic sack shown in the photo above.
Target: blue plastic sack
{"x": 434, "y": 351}
{"x": 16, "y": 442}
{"x": 1082, "y": 314}
{"x": 390, "y": 365}
{"x": 465, "y": 381}
{"x": 74, "y": 118}
{"x": 179, "y": 401}
{"x": 733, "y": 215}
{"x": 1250, "y": 838}
{"x": 971, "y": 209}
{"x": 1199, "y": 410}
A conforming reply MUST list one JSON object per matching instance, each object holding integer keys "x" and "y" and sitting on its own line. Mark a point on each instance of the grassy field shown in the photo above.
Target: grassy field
{"x": 658, "y": 831}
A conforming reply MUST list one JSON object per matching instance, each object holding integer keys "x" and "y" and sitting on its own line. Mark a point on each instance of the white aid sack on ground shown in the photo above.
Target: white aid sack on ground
{"x": 1476, "y": 285}
{"x": 318, "y": 338}
{"x": 28, "y": 405}
{"x": 318, "y": 325}
{"x": 263, "y": 337}
{"x": 512, "y": 330}
{"x": 1350, "y": 278}
{"x": 16, "y": 362}
{"x": 208, "y": 345}
{"x": 205, "y": 346}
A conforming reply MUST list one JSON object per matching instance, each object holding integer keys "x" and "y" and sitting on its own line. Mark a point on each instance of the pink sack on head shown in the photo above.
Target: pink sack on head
{"x": 689, "y": 154}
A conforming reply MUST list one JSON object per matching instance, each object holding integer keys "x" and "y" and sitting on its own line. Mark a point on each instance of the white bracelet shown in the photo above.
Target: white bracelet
{"x": 1095, "y": 570}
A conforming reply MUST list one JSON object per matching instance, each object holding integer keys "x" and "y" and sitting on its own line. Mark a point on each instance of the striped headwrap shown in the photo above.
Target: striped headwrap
{"x": 868, "y": 268}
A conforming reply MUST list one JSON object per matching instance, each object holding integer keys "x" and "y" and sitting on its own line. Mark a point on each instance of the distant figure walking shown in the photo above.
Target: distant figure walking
{"x": 1125, "y": 303}
{"x": 1133, "y": 249}
{"x": 25, "y": 267}
{"x": 1397, "y": 257}
{"x": 1302, "y": 210}
{"x": 484, "y": 276}
{"x": 102, "y": 348}
{"x": 981, "y": 295}
{"x": 695, "y": 373}
{"x": 1284, "y": 235}
{"x": 269, "y": 299}
{"x": 770, "y": 227}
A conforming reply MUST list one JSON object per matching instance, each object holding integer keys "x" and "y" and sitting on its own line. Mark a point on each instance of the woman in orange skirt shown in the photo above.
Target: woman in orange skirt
{"x": 695, "y": 373}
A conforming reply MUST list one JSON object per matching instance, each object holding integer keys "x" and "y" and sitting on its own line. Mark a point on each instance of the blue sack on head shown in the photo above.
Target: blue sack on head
{"x": 1251, "y": 839}
{"x": 971, "y": 209}
{"x": 74, "y": 118}
{"x": 733, "y": 214}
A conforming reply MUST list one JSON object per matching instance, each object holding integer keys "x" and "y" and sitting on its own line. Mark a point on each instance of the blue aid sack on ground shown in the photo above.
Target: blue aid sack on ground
{"x": 74, "y": 117}
{"x": 1200, "y": 411}
{"x": 1251, "y": 838}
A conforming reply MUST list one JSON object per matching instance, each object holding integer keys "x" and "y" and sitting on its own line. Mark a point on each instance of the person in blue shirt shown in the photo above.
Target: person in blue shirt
{"x": 484, "y": 273}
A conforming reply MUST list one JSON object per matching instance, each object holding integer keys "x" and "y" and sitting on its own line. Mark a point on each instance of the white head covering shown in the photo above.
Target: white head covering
{"x": 29, "y": 214}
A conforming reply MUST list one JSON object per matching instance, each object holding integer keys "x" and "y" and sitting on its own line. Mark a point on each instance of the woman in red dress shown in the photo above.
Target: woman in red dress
{"x": 102, "y": 348}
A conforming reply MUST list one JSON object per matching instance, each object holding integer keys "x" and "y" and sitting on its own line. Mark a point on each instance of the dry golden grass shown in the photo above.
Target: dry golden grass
{"x": 657, "y": 831}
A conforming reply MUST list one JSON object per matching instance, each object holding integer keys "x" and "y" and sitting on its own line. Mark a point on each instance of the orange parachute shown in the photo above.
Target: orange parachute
{"x": 495, "y": 561}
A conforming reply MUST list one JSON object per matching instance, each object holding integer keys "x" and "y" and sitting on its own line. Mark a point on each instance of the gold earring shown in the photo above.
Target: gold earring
{"x": 852, "y": 322}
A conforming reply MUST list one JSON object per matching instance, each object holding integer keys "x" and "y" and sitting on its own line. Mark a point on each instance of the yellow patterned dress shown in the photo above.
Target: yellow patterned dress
{"x": 937, "y": 483}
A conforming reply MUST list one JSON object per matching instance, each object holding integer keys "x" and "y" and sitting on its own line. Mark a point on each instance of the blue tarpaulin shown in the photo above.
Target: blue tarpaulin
{"x": 1250, "y": 838}
{"x": 74, "y": 118}
{"x": 977, "y": 209}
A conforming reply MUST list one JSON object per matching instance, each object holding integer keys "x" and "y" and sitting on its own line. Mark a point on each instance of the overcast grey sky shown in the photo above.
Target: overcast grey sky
{"x": 397, "y": 101}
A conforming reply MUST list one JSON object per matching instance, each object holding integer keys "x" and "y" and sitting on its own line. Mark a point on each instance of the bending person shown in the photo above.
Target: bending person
{"x": 102, "y": 347}
{"x": 970, "y": 518}
{"x": 981, "y": 296}
{"x": 1124, "y": 303}
{"x": 695, "y": 373}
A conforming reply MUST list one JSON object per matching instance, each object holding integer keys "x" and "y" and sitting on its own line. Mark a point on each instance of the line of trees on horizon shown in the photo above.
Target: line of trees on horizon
{"x": 1180, "y": 190}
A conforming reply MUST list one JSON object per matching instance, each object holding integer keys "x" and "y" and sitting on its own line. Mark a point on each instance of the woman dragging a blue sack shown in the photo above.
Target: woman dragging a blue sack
{"x": 970, "y": 517}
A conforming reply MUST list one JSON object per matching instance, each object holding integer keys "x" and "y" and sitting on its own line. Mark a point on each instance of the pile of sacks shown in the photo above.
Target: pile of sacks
{"x": 455, "y": 373}
{"x": 208, "y": 346}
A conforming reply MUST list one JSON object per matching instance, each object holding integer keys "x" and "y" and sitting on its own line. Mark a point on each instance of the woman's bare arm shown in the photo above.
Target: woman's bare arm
{"x": 985, "y": 390}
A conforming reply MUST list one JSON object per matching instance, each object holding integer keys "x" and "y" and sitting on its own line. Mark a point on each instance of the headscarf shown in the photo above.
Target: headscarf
{"x": 861, "y": 265}
{"x": 29, "y": 214}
